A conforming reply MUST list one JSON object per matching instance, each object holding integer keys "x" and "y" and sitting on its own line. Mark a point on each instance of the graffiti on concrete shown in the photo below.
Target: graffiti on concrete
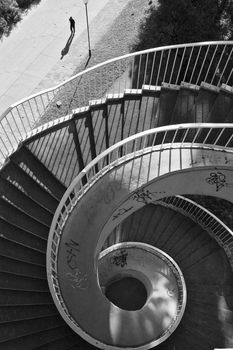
{"x": 78, "y": 279}
{"x": 218, "y": 179}
{"x": 120, "y": 212}
{"x": 72, "y": 250}
{"x": 145, "y": 196}
{"x": 120, "y": 258}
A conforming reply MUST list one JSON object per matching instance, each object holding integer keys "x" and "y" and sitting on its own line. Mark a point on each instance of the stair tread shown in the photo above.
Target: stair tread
{"x": 23, "y": 155}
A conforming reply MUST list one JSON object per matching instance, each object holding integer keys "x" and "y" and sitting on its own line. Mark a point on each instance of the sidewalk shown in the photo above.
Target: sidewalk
{"x": 30, "y": 58}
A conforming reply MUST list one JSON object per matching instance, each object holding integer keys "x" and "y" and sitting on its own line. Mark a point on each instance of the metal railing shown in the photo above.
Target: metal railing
{"x": 209, "y": 62}
{"x": 207, "y": 220}
{"x": 144, "y": 143}
{"x": 147, "y": 142}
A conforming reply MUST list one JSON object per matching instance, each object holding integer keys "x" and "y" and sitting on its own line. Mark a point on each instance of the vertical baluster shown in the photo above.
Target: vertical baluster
{"x": 152, "y": 68}
{"x": 119, "y": 80}
{"x": 217, "y": 67}
{"x": 185, "y": 135}
{"x": 165, "y": 70}
{"x": 174, "y": 137}
{"x": 205, "y": 79}
{"x": 229, "y": 141}
{"x": 203, "y": 63}
{"x": 173, "y": 66}
{"x": 225, "y": 67}
{"x": 197, "y": 130}
{"x": 161, "y": 57}
{"x": 6, "y": 148}
{"x": 16, "y": 124}
{"x": 220, "y": 134}
{"x": 37, "y": 108}
{"x": 11, "y": 133}
{"x": 139, "y": 71}
{"x": 181, "y": 64}
{"x": 26, "y": 114}
{"x": 42, "y": 100}
{"x": 21, "y": 120}
{"x": 29, "y": 103}
{"x": 186, "y": 71}
{"x": 208, "y": 134}
{"x": 145, "y": 71}
{"x": 195, "y": 64}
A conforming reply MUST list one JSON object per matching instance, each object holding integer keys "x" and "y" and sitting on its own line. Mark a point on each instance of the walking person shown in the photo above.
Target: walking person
{"x": 72, "y": 25}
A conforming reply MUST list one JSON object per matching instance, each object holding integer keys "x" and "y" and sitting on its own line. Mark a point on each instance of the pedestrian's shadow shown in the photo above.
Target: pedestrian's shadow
{"x": 67, "y": 47}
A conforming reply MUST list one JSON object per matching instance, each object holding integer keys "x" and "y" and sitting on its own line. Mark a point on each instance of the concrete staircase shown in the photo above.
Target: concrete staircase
{"x": 33, "y": 181}
{"x": 206, "y": 322}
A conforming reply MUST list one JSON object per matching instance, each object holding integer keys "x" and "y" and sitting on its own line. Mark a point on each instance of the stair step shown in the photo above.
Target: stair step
{"x": 149, "y": 107}
{"x": 222, "y": 105}
{"x": 204, "y": 102}
{"x": 160, "y": 229}
{"x": 173, "y": 244}
{"x": 229, "y": 116}
{"x": 26, "y": 238}
{"x": 55, "y": 150}
{"x": 154, "y": 215}
{"x": 149, "y": 214}
{"x": 22, "y": 268}
{"x": 18, "y": 251}
{"x": 167, "y": 102}
{"x": 65, "y": 344}
{"x": 25, "y": 312}
{"x": 204, "y": 264}
{"x": 185, "y": 101}
{"x": 42, "y": 338}
{"x": 190, "y": 233}
{"x": 114, "y": 121}
{"x": 20, "y": 219}
{"x": 22, "y": 328}
{"x": 13, "y": 297}
{"x": 210, "y": 337}
{"x": 82, "y": 135}
{"x": 199, "y": 253}
{"x": 29, "y": 186}
{"x": 14, "y": 282}
{"x": 170, "y": 231}
{"x": 192, "y": 339}
{"x": 149, "y": 235}
{"x": 133, "y": 228}
{"x": 24, "y": 203}
{"x": 99, "y": 132}
{"x": 131, "y": 116}
{"x": 55, "y": 187}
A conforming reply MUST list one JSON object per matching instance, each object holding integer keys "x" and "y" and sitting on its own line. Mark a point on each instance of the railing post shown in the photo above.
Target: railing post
{"x": 89, "y": 125}
{"x": 73, "y": 130}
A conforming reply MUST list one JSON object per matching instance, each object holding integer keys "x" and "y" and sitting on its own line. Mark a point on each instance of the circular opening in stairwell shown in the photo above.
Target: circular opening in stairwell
{"x": 127, "y": 293}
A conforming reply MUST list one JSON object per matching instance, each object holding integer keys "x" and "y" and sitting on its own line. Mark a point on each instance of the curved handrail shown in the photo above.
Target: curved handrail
{"x": 181, "y": 135}
{"x": 207, "y": 220}
{"x": 99, "y": 65}
{"x": 209, "y": 62}
{"x": 178, "y": 136}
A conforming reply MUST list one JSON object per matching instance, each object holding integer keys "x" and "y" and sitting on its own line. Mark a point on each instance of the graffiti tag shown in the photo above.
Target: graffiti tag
{"x": 120, "y": 259}
{"x": 72, "y": 249}
{"x": 144, "y": 196}
{"x": 218, "y": 179}
{"x": 78, "y": 279}
{"x": 121, "y": 211}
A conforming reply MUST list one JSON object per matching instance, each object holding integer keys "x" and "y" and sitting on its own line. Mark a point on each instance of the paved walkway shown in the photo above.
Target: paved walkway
{"x": 30, "y": 58}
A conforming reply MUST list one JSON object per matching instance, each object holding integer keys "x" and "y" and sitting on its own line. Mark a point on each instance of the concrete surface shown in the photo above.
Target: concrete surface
{"x": 30, "y": 58}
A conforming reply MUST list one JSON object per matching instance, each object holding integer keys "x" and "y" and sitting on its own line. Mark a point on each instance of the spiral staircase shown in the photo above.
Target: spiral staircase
{"x": 109, "y": 175}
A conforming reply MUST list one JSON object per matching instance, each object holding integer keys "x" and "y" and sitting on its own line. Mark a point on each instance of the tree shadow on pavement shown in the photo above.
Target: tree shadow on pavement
{"x": 65, "y": 50}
